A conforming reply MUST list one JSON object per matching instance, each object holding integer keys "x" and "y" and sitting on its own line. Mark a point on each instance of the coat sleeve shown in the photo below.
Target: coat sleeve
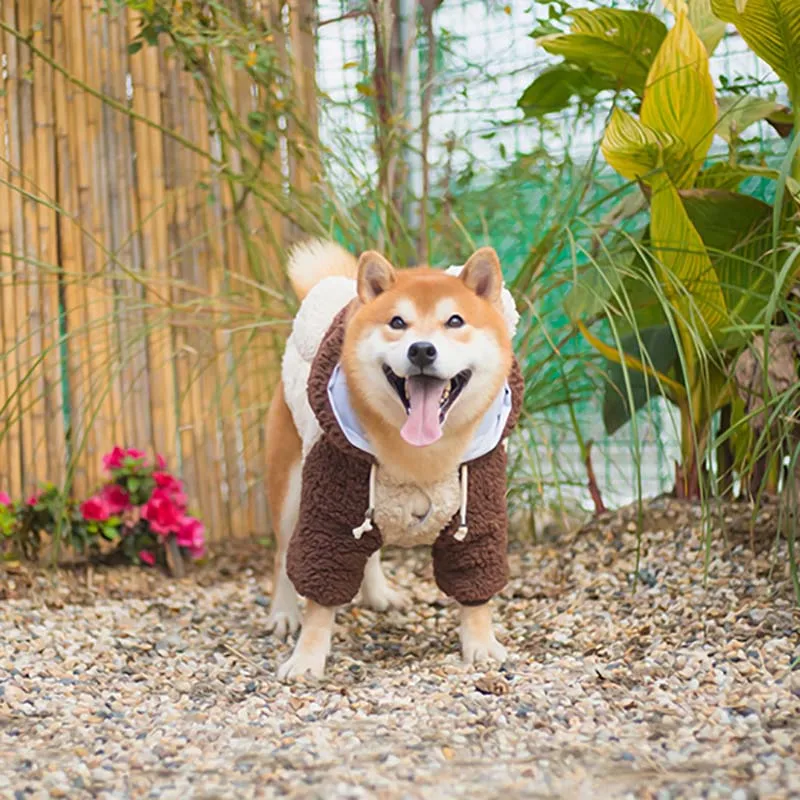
{"x": 325, "y": 562}
{"x": 472, "y": 571}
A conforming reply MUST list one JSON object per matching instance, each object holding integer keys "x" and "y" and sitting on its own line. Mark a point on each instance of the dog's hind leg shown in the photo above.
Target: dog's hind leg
{"x": 284, "y": 482}
{"x": 376, "y": 591}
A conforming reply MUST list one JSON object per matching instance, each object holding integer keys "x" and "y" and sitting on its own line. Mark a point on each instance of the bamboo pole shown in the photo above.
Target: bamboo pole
{"x": 152, "y": 226}
{"x": 176, "y": 176}
{"x": 247, "y": 378}
{"x": 137, "y": 380}
{"x": 84, "y": 362}
{"x": 100, "y": 287}
{"x": 49, "y": 277}
{"x": 163, "y": 392}
{"x": 33, "y": 408}
{"x": 69, "y": 238}
{"x": 302, "y": 24}
{"x": 134, "y": 428}
{"x": 207, "y": 232}
{"x": 11, "y": 470}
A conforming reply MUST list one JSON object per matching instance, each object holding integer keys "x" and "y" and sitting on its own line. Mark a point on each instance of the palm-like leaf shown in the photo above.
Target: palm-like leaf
{"x": 690, "y": 282}
{"x": 737, "y": 113}
{"x": 709, "y": 27}
{"x": 614, "y": 41}
{"x": 771, "y": 29}
{"x": 634, "y": 149}
{"x": 679, "y": 98}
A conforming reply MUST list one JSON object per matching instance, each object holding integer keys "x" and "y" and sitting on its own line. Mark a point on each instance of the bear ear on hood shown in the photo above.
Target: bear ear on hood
{"x": 375, "y": 276}
{"x": 482, "y": 274}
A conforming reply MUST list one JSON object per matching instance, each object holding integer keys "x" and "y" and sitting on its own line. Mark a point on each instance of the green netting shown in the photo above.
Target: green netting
{"x": 507, "y": 182}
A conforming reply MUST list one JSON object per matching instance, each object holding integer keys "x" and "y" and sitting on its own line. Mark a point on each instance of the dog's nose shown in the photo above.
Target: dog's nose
{"x": 422, "y": 354}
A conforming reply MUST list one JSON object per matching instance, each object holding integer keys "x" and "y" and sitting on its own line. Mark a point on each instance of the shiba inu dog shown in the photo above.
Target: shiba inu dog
{"x": 398, "y": 390}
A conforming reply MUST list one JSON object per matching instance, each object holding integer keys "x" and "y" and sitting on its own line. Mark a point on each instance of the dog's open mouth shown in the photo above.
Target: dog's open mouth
{"x": 427, "y": 400}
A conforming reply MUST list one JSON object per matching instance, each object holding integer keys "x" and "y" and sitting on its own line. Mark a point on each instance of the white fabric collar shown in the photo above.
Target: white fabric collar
{"x": 487, "y": 436}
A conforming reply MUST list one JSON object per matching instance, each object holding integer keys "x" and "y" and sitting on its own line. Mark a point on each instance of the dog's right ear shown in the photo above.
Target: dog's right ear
{"x": 375, "y": 276}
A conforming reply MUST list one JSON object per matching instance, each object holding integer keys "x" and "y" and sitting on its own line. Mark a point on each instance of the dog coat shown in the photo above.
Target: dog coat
{"x": 349, "y": 510}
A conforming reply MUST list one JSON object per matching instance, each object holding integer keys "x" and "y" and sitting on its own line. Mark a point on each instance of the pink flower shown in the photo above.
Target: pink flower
{"x": 5, "y": 500}
{"x": 34, "y": 498}
{"x": 116, "y": 498}
{"x": 161, "y": 462}
{"x": 171, "y": 486}
{"x": 162, "y": 513}
{"x": 113, "y": 460}
{"x": 136, "y": 455}
{"x": 95, "y": 509}
{"x": 190, "y": 536}
{"x": 146, "y": 557}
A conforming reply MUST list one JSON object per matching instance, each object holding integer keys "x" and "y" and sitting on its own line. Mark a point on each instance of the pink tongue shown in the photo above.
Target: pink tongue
{"x": 422, "y": 426}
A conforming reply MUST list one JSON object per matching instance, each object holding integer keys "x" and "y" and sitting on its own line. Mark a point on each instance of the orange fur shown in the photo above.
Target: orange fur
{"x": 424, "y": 288}
{"x": 284, "y": 450}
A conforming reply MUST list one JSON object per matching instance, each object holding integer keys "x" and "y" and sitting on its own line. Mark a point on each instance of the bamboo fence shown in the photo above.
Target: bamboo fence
{"x": 116, "y": 243}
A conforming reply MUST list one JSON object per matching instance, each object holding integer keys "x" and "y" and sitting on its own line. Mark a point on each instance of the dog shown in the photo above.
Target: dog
{"x": 388, "y": 428}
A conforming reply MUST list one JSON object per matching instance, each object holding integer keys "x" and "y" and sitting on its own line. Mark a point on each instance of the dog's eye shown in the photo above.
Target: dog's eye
{"x": 455, "y": 321}
{"x": 397, "y": 323}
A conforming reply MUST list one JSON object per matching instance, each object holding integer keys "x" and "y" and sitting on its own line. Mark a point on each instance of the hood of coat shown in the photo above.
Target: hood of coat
{"x": 329, "y": 401}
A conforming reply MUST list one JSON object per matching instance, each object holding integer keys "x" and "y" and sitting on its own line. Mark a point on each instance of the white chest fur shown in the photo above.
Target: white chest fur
{"x": 409, "y": 515}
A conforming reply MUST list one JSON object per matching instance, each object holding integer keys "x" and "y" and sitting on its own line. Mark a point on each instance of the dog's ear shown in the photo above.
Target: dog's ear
{"x": 482, "y": 274}
{"x": 375, "y": 276}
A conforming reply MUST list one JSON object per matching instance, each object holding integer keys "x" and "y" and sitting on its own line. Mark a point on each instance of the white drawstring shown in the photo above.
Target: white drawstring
{"x": 461, "y": 533}
{"x": 366, "y": 525}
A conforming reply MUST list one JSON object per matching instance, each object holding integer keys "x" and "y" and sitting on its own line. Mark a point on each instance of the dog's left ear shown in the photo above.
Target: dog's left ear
{"x": 482, "y": 274}
{"x": 375, "y": 276}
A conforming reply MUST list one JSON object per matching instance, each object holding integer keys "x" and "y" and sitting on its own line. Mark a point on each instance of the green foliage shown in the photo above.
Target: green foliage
{"x": 771, "y": 29}
{"x": 653, "y": 346}
{"x": 558, "y": 86}
{"x": 684, "y": 294}
{"x": 605, "y": 49}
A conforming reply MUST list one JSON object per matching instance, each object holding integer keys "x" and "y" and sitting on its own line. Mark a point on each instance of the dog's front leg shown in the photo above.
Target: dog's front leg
{"x": 314, "y": 644}
{"x": 477, "y": 637}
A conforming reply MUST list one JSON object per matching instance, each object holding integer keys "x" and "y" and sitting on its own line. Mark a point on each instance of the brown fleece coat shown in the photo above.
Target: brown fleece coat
{"x": 325, "y": 562}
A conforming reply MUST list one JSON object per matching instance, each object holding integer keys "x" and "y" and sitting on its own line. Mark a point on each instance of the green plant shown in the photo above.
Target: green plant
{"x": 139, "y": 514}
{"x": 682, "y": 297}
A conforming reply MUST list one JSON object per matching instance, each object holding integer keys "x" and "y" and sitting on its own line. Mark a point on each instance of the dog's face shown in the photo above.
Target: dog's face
{"x": 425, "y": 351}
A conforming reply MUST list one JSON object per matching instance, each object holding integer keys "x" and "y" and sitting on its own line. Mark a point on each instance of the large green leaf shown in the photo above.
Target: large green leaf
{"x": 634, "y": 149}
{"x": 737, "y": 232}
{"x": 771, "y": 28}
{"x": 689, "y": 279}
{"x": 618, "y": 283}
{"x": 723, "y": 175}
{"x": 679, "y": 98}
{"x": 709, "y": 27}
{"x": 617, "y": 42}
{"x": 738, "y": 112}
{"x": 555, "y": 87}
{"x": 656, "y": 348}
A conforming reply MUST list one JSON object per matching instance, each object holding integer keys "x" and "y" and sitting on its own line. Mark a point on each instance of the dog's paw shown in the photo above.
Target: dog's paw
{"x": 282, "y": 623}
{"x": 477, "y": 650}
{"x": 384, "y": 597}
{"x": 301, "y": 664}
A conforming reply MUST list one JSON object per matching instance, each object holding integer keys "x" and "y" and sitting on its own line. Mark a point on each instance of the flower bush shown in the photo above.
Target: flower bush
{"x": 135, "y": 514}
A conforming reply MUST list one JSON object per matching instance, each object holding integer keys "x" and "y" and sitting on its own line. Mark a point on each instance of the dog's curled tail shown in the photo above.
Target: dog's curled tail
{"x": 313, "y": 261}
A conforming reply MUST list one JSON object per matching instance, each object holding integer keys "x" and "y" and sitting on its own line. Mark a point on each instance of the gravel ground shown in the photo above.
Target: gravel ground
{"x": 119, "y": 683}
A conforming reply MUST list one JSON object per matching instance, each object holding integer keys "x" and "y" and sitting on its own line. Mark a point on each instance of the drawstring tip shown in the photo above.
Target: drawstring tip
{"x": 363, "y": 528}
{"x": 461, "y": 533}
{"x": 366, "y": 525}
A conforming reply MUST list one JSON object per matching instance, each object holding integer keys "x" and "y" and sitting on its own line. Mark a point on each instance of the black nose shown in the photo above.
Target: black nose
{"x": 422, "y": 354}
